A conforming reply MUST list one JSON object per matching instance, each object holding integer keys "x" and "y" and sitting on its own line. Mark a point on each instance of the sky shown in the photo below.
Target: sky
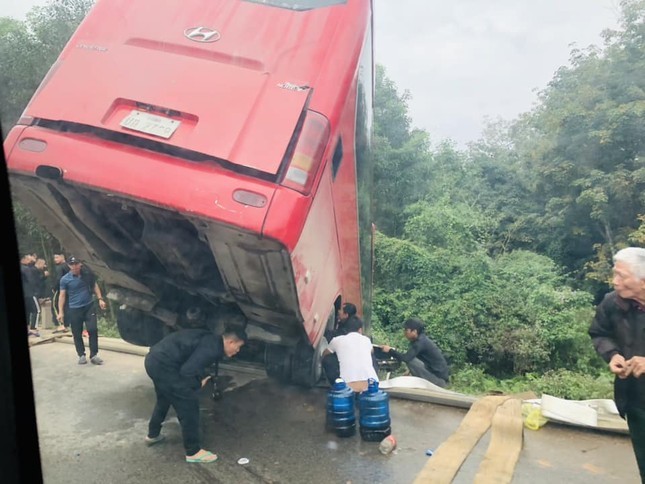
{"x": 466, "y": 61}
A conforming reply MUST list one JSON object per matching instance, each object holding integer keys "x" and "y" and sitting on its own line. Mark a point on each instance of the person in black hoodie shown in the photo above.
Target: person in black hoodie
{"x": 60, "y": 269}
{"x": 424, "y": 358}
{"x": 29, "y": 276}
{"x": 329, "y": 361}
{"x": 177, "y": 366}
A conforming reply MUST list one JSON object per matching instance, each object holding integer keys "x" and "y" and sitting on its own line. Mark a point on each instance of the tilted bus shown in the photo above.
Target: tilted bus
{"x": 209, "y": 159}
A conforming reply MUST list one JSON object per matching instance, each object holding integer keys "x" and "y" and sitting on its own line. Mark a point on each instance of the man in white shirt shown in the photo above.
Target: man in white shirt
{"x": 354, "y": 351}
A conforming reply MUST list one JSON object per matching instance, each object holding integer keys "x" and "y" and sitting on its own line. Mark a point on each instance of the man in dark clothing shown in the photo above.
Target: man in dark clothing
{"x": 424, "y": 358}
{"x": 41, "y": 279}
{"x": 618, "y": 337}
{"x": 177, "y": 366}
{"x": 29, "y": 275}
{"x": 60, "y": 269}
{"x": 347, "y": 311}
{"x": 76, "y": 306}
{"x": 329, "y": 362}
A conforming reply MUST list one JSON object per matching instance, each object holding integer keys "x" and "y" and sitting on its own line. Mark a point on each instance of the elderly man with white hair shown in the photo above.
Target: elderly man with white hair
{"x": 618, "y": 335}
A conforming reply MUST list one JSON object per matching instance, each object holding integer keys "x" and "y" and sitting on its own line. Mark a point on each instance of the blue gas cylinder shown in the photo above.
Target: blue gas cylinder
{"x": 341, "y": 417}
{"x": 374, "y": 407}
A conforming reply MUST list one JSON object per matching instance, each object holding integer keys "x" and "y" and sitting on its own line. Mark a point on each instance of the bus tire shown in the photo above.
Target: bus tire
{"x": 139, "y": 328}
{"x": 277, "y": 361}
{"x": 306, "y": 364}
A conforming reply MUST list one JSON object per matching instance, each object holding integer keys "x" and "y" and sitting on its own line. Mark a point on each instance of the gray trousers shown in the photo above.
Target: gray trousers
{"x": 417, "y": 368}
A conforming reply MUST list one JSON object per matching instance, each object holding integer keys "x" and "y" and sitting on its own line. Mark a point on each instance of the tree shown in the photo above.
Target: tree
{"x": 583, "y": 148}
{"x": 401, "y": 169}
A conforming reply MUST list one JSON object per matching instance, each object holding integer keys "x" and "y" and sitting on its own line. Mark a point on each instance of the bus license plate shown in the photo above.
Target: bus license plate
{"x": 150, "y": 124}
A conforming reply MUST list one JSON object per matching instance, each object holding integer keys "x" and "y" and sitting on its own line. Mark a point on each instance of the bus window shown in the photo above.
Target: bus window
{"x": 299, "y": 4}
{"x": 338, "y": 157}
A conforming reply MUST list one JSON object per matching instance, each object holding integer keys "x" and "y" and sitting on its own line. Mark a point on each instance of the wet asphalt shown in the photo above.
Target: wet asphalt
{"x": 92, "y": 421}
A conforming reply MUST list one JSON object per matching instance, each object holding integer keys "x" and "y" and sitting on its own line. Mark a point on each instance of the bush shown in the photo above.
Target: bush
{"x": 570, "y": 385}
{"x": 575, "y": 386}
{"x": 108, "y": 328}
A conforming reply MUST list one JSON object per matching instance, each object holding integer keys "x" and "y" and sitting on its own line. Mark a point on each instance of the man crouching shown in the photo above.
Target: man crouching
{"x": 177, "y": 366}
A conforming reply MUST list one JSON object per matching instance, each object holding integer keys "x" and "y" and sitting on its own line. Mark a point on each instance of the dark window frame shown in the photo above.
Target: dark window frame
{"x": 337, "y": 159}
{"x": 298, "y": 5}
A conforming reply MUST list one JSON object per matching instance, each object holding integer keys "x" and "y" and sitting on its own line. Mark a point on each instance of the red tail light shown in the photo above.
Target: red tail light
{"x": 307, "y": 153}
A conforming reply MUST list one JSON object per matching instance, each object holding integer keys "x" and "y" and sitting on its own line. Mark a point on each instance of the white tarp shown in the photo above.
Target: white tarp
{"x": 414, "y": 382}
{"x": 594, "y": 413}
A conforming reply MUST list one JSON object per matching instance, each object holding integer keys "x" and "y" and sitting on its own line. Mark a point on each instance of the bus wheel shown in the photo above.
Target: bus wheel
{"x": 306, "y": 365}
{"x": 138, "y": 328}
{"x": 277, "y": 361}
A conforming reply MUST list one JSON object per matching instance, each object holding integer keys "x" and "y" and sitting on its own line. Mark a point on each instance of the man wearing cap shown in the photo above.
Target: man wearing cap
{"x": 76, "y": 288}
{"x": 60, "y": 269}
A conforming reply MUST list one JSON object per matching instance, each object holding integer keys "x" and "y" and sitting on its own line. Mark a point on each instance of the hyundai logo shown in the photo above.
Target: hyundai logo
{"x": 202, "y": 34}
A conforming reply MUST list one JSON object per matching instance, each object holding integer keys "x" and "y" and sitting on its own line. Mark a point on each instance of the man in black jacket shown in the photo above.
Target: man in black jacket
{"x": 177, "y": 366}
{"x": 329, "y": 362}
{"x": 29, "y": 276}
{"x": 60, "y": 269}
{"x": 424, "y": 358}
{"x": 618, "y": 337}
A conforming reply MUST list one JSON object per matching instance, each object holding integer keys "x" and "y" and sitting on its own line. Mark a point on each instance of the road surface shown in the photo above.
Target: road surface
{"x": 92, "y": 421}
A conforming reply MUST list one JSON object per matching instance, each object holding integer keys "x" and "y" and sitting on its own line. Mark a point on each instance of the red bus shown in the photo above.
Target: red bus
{"x": 210, "y": 160}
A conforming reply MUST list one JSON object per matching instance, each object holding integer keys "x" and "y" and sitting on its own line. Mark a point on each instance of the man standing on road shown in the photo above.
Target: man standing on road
{"x": 424, "y": 358}
{"x": 76, "y": 289}
{"x": 29, "y": 276}
{"x": 354, "y": 352}
{"x": 618, "y": 335}
{"x": 177, "y": 366}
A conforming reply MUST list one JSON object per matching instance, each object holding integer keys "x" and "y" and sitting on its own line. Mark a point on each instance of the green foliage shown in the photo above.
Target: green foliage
{"x": 571, "y": 385}
{"x": 473, "y": 380}
{"x": 22, "y": 66}
{"x": 447, "y": 225}
{"x": 510, "y": 315}
{"x": 108, "y": 328}
{"x": 401, "y": 169}
{"x": 392, "y": 121}
{"x": 578, "y": 155}
{"x": 561, "y": 383}
{"x": 30, "y": 235}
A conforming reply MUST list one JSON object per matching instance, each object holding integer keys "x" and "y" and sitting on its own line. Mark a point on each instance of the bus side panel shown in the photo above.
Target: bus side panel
{"x": 345, "y": 206}
{"x": 314, "y": 257}
{"x": 316, "y": 262}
